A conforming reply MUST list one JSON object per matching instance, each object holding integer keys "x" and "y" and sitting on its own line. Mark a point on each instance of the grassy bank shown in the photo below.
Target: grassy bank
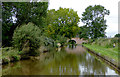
{"x": 9, "y": 54}
{"x": 109, "y": 52}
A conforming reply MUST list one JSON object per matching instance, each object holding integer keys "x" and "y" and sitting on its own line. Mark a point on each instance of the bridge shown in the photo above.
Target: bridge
{"x": 78, "y": 40}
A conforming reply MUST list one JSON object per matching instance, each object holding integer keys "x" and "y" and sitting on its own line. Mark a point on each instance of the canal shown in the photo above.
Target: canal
{"x": 65, "y": 61}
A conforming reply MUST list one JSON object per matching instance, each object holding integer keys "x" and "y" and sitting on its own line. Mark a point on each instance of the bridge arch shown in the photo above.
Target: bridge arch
{"x": 77, "y": 40}
{"x": 72, "y": 41}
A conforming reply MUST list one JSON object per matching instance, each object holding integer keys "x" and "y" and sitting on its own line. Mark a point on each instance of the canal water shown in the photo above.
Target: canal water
{"x": 65, "y": 61}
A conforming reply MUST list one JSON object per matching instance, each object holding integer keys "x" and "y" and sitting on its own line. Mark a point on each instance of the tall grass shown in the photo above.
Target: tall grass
{"x": 106, "y": 42}
{"x": 9, "y": 54}
{"x": 104, "y": 46}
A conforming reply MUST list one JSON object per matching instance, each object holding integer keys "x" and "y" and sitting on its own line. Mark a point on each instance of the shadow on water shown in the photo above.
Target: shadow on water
{"x": 67, "y": 61}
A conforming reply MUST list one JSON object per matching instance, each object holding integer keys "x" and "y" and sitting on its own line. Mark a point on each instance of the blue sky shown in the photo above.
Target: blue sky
{"x": 80, "y": 5}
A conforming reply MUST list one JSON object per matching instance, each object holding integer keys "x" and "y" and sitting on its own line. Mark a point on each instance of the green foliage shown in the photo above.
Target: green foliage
{"x": 24, "y": 12}
{"x": 47, "y": 41}
{"x": 91, "y": 41}
{"x": 48, "y": 44}
{"x": 27, "y": 37}
{"x": 63, "y": 22}
{"x": 83, "y": 32}
{"x": 5, "y": 60}
{"x": 109, "y": 52}
{"x": 61, "y": 39}
{"x": 94, "y": 21}
{"x": 16, "y": 57}
{"x": 10, "y": 54}
{"x": 117, "y": 35}
{"x": 9, "y": 51}
{"x": 7, "y": 22}
{"x": 108, "y": 42}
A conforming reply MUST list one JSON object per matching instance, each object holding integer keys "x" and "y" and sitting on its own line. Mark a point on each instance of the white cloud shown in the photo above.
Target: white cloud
{"x": 80, "y": 5}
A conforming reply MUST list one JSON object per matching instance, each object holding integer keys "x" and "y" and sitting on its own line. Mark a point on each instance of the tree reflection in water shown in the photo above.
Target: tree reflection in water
{"x": 66, "y": 62}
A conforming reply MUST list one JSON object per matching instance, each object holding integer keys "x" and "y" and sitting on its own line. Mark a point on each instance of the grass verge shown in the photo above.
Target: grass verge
{"x": 109, "y": 52}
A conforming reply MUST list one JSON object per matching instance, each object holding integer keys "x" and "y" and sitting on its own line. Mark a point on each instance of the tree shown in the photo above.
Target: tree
{"x": 94, "y": 19}
{"x": 7, "y": 22}
{"x": 23, "y": 12}
{"x": 27, "y": 38}
{"x": 117, "y": 35}
{"x": 83, "y": 32}
{"x": 62, "y": 22}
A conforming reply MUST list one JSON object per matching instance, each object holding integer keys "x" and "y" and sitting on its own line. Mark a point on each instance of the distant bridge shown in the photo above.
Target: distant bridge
{"x": 78, "y": 40}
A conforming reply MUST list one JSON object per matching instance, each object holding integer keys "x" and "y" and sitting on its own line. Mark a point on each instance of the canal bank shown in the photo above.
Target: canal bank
{"x": 67, "y": 61}
{"x": 111, "y": 62}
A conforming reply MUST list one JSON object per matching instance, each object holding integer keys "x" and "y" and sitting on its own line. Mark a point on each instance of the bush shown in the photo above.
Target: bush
{"x": 48, "y": 41}
{"x": 10, "y": 54}
{"x": 15, "y": 58}
{"x": 108, "y": 42}
{"x": 9, "y": 51}
{"x": 61, "y": 39}
{"x": 5, "y": 60}
{"x": 27, "y": 38}
{"x": 91, "y": 41}
{"x": 117, "y": 35}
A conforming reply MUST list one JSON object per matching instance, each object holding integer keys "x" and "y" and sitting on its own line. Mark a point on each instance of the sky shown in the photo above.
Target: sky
{"x": 81, "y": 5}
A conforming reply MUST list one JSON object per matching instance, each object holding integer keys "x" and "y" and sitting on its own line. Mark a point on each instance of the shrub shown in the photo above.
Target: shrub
{"x": 117, "y": 35}
{"x": 16, "y": 57}
{"x": 9, "y": 51}
{"x": 61, "y": 39}
{"x": 108, "y": 43}
{"x": 48, "y": 41}
{"x": 10, "y": 54}
{"x": 5, "y": 60}
{"x": 27, "y": 38}
{"x": 90, "y": 41}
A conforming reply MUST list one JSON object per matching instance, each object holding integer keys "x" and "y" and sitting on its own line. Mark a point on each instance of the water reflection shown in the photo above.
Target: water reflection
{"x": 65, "y": 62}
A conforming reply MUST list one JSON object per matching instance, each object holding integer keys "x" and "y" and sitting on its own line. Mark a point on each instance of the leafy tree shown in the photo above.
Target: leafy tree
{"x": 7, "y": 22}
{"x": 93, "y": 18}
{"x": 24, "y": 12}
{"x": 83, "y": 32}
{"x": 27, "y": 37}
{"x": 117, "y": 35}
{"x": 63, "y": 22}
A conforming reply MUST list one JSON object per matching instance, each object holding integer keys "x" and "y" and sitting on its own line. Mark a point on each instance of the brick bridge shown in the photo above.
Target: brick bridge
{"x": 78, "y": 40}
